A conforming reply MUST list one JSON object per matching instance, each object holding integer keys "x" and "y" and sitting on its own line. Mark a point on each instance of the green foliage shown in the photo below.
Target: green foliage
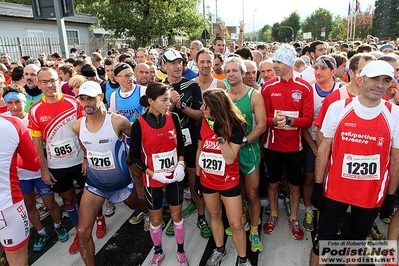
{"x": 293, "y": 21}
{"x": 317, "y": 20}
{"x": 275, "y": 31}
{"x": 143, "y": 20}
{"x": 386, "y": 16}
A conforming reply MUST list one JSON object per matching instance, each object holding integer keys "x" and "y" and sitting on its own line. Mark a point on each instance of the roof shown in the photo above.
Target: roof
{"x": 24, "y": 11}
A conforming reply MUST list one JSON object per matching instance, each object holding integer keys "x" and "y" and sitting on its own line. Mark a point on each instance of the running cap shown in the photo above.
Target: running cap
{"x": 285, "y": 54}
{"x": 377, "y": 68}
{"x": 90, "y": 88}
{"x": 171, "y": 55}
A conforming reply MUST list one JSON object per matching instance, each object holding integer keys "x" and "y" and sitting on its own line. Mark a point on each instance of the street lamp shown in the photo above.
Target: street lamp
{"x": 253, "y": 26}
{"x": 325, "y": 26}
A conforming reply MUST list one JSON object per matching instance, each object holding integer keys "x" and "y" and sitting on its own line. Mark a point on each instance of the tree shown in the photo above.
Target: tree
{"x": 145, "y": 20}
{"x": 293, "y": 21}
{"x": 321, "y": 18}
{"x": 362, "y": 29}
{"x": 386, "y": 19}
{"x": 142, "y": 20}
{"x": 275, "y": 30}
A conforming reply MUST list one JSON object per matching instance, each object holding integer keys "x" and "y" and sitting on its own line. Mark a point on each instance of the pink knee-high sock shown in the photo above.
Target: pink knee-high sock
{"x": 179, "y": 230}
{"x": 156, "y": 234}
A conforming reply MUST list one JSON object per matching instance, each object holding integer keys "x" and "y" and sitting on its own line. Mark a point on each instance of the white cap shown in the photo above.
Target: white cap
{"x": 171, "y": 55}
{"x": 90, "y": 88}
{"x": 377, "y": 68}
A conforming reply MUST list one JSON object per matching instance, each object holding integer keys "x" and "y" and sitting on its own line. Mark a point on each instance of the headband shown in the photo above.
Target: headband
{"x": 121, "y": 67}
{"x": 14, "y": 96}
{"x": 325, "y": 63}
{"x": 385, "y": 46}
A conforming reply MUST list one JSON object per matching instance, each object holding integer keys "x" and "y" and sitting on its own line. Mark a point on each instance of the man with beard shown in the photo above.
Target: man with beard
{"x": 50, "y": 120}
{"x": 33, "y": 93}
{"x": 108, "y": 176}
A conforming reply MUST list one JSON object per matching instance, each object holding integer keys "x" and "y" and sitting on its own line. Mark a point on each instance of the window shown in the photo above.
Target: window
{"x": 73, "y": 37}
{"x": 35, "y": 33}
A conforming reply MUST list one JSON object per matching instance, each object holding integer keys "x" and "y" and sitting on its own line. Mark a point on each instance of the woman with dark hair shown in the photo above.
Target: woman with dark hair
{"x": 157, "y": 149}
{"x": 221, "y": 131}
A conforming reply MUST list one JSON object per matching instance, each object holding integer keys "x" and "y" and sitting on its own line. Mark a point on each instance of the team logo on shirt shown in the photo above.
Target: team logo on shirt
{"x": 45, "y": 118}
{"x": 106, "y": 140}
{"x": 172, "y": 134}
{"x": 296, "y": 95}
{"x": 380, "y": 141}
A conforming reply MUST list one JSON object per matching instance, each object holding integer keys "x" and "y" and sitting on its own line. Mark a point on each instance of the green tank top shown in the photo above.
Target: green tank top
{"x": 30, "y": 100}
{"x": 244, "y": 104}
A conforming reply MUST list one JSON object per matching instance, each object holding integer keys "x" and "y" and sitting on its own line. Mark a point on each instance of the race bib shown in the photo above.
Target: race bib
{"x": 63, "y": 149}
{"x": 212, "y": 163}
{"x": 293, "y": 114}
{"x": 361, "y": 167}
{"x": 101, "y": 160}
{"x": 186, "y": 136}
{"x": 164, "y": 162}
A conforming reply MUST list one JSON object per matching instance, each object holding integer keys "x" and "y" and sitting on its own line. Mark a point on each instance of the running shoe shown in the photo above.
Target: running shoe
{"x": 216, "y": 258}
{"x": 41, "y": 242}
{"x": 387, "y": 220}
{"x": 147, "y": 222}
{"x": 42, "y": 209}
{"x": 74, "y": 247}
{"x": 202, "y": 224}
{"x": 267, "y": 209}
{"x": 170, "y": 231}
{"x": 101, "y": 230}
{"x": 62, "y": 233}
{"x": 189, "y": 210}
{"x": 3, "y": 261}
{"x": 246, "y": 263}
{"x": 296, "y": 230}
{"x": 157, "y": 259}
{"x": 308, "y": 221}
{"x": 182, "y": 259}
{"x": 109, "y": 209}
{"x": 270, "y": 224}
{"x": 137, "y": 218}
{"x": 287, "y": 208}
{"x": 375, "y": 232}
{"x": 256, "y": 244}
{"x": 64, "y": 213}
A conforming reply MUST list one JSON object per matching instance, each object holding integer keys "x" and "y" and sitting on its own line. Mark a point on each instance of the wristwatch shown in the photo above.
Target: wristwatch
{"x": 244, "y": 140}
{"x": 183, "y": 105}
{"x": 221, "y": 140}
{"x": 288, "y": 120}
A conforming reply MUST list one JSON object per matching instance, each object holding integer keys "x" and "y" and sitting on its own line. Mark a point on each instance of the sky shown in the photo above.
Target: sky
{"x": 271, "y": 11}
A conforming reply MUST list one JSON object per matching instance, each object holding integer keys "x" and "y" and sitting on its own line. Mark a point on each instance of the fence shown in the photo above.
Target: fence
{"x": 16, "y": 47}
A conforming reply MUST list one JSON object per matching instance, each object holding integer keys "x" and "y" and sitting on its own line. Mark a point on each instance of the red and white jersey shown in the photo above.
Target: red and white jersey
{"x": 214, "y": 172}
{"x": 54, "y": 121}
{"x": 17, "y": 150}
{"x": 360, "y": 157}
{"x": 295, "y": 99}
{"x": 341, "y": 93}
{"x": 159, "y": 149}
